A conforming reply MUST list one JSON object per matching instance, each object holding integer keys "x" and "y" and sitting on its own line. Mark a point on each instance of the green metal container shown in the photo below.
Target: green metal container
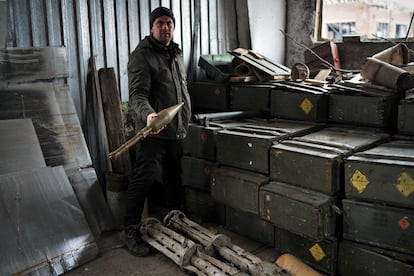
{"x": 217, "y": 67}
{"x": 406, "y": 117}
{"x": 299, "y": 102}
{"x": 358, "y": 259}
{"x": 321, "y": 255}
{"x": 383, "y": 174}
{"x": 247, "y": 146}
{"x": 375, "y": 108}
{"x": 250, "y": 97}
{"x": 250, "y": 225}
{"x": 201, "y": 140}
{"x": 379, "y": 225}
{"x": 209, "y": 96}
{"x": 298, "y": 210}
{"x": 315, "y": 161}
{"x": 201, "y": 206}
{"x": 196, "y": 172}
{"x": 237, "y": 188}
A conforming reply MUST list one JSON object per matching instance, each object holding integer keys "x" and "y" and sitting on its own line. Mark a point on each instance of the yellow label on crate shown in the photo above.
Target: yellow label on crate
{"x": 306, "y": 106}
{"x": 359, "y": 181}
{"x": 405, "y": 184}
{"x": 317, "y": 252}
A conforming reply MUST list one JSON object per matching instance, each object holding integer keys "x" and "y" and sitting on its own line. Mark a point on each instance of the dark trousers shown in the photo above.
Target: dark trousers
{"x": 152, "y": 155}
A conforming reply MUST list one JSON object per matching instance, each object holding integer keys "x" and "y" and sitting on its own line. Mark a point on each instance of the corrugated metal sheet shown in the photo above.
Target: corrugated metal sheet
{"x": 111, "y": 29}
{"x": 43, "y": 229}
{"x": 20, "y": 148}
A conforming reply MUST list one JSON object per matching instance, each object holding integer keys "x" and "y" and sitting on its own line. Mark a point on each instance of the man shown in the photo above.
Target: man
{"x": 157, "y": 80}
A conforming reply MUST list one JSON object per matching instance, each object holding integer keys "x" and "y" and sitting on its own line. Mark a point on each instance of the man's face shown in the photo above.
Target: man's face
{"x": 163, "y": 29}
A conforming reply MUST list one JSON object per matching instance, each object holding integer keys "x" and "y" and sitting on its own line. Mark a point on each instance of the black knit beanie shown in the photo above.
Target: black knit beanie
{"x": 160, "y": 11}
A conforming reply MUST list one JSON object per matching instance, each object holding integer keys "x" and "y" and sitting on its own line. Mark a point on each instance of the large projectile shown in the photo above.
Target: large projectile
{"x": 164, "y": 117}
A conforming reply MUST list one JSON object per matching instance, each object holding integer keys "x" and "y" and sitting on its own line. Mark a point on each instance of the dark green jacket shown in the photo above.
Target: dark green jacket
{"x": 157, "y": 80}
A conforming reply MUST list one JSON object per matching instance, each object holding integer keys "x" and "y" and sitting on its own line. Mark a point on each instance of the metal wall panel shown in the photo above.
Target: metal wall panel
{"x": 69, "y": 40}
{"x": 21, "y": 23}
{"x": 37, "y": 10}
{"x": 3, "y": 22}
{"x": 42, "y": 226}
{"x": 123, "y": 50}
{"x": 111, "y": 29}
{"x": 54, "y": 22}
{"x": 20, "y": 147}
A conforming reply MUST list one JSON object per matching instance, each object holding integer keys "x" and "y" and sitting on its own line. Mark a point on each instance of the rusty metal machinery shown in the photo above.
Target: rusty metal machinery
{"x": 221, "y": 244}
{"x": 188, "y": 255}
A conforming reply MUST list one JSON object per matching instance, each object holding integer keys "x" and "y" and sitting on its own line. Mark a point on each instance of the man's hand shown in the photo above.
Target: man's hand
{"x": 149, "y": 118}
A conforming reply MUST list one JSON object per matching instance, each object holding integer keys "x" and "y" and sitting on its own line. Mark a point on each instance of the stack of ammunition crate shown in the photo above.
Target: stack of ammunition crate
{"x": 326, "y": 173}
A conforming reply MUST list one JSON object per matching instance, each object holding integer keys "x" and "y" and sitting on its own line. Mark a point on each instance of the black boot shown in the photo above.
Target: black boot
{"x": 131, "y": 238}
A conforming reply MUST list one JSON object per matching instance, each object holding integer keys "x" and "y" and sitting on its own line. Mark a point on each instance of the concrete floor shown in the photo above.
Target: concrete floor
{"x": 115, "y": 260}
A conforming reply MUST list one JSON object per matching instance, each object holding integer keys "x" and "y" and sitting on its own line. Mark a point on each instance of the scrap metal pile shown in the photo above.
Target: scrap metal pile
{"x": 197, "y": 250}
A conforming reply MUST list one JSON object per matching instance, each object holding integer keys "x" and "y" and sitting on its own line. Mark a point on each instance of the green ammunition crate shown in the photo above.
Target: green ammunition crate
{"x": 299, "y": 102}
{"x": 247, "y": 146}
{"x": 357, "y": 259}
{"x": 379, "y": 225}
{"x": 217, "y": 67}
{"x": 406, "y": 117}
{"x": 378, "y": 109}
{"x": 315, "y": 160}
{"x": 201, "y": 206}
{"x": 201, "y": 141}
{"x": 250, "y": 97}
{"x": 250, "y": 225}
{"x": 321, "y": 255}
{"x": 237, "y": 188}
{"x": 384, "y": 174}
{"x": 209, "y": 96}
{"x": 298, "y": 210}
{"x": 196, "y": 172}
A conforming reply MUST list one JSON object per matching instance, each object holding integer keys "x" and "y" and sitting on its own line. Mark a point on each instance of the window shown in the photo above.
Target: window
{"x": 382, "y": 30}
{"x": 368, "y": 19}
{"x": 400, "y": 30}
{"x": 338, "y": 30}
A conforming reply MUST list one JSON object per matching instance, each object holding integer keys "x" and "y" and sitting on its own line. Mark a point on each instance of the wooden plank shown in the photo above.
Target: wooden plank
{"x": 261, "y": 62}
{"x": 113, "y": 118}
{"x": 102, "y": 136}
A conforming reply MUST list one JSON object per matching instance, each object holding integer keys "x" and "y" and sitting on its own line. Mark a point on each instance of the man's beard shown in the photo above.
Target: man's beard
{"x": 165, "y": 38}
